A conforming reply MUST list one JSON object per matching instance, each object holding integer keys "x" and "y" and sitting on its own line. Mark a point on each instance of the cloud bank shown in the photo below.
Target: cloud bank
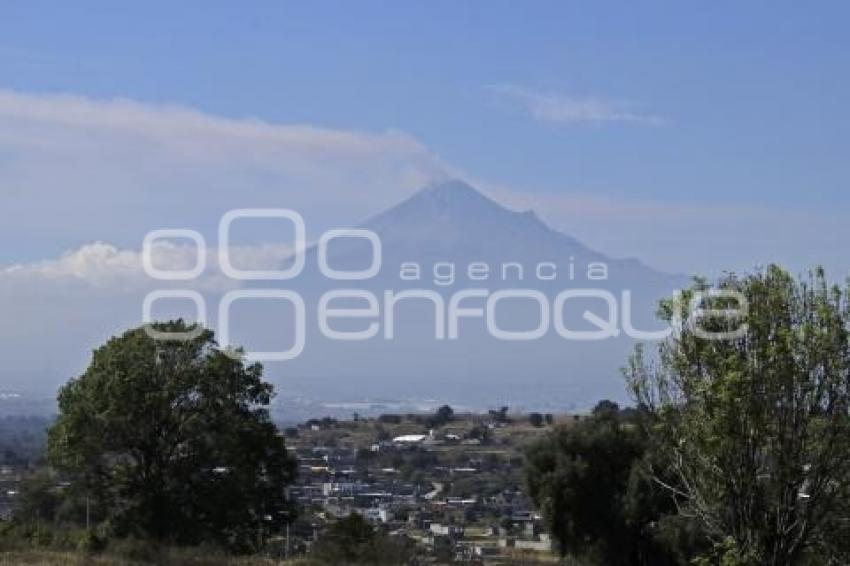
{"x": 564, "y": 109}
{"x": 80, "y": 170}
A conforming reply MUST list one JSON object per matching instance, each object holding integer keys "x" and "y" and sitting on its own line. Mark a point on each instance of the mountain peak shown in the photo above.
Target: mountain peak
{"x": 452, "y": 202}
{"x": 453, "y": 193}
{"x": 450, "y": 187}
{"x": 451, "y": 219}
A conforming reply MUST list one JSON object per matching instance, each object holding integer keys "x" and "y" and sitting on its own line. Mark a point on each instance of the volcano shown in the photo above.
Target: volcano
{"x": 451, "y": 238}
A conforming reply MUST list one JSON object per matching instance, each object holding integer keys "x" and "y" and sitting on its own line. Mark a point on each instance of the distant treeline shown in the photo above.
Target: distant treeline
{"x": 22, "y": 440}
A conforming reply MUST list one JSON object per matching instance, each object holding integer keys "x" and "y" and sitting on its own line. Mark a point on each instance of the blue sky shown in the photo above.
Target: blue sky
{"x": 754, "y": 94}
{"x": 745, "y": 101}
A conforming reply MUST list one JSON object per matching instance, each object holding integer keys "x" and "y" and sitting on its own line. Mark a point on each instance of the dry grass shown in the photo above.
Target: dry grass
{"x": 170, "y": 558}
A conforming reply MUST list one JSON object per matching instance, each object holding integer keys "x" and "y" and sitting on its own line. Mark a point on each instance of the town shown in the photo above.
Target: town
{"x": 451, "y": 483}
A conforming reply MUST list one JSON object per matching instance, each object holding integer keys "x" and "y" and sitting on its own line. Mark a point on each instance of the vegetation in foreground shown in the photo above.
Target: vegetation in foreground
{"x": 134, "y": 554}
{"x": 735, "y": 455}
{"x": 168, "y": 442}
{"x": 738, "y": 452}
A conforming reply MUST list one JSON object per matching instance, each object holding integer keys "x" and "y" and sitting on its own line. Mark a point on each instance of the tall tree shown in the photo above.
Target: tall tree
{"x": 353, "y": 540}
{"x": 172, "y": 440}
{"x": 587, "y": 481}
{"x": 753, "y": 428}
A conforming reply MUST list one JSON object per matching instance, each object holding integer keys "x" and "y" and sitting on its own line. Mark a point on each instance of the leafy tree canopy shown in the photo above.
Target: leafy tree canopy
{"x": 587, "y": 479}
{"x": 752, "y": 430}
{"x": 172, "y": 440}
{"x": 352, "y": 540}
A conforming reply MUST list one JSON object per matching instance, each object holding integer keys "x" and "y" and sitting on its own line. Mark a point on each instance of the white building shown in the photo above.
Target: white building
{"x": 410, "y": 439}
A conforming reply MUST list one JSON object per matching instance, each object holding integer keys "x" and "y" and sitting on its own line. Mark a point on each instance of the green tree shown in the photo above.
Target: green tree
{"x": 443, "y": 415}
{"x": 38, "y": 498}
{"x": 606, "y": 407}
{"x": 751, "y": 430}
{"x": 586, "y": 480}
{"x": 352, "y": 540}
{"x": 172, "y": 440}
{"x": 535, "y": 419}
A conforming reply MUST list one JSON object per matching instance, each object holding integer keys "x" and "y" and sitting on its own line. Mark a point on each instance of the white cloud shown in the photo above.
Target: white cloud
{"x": 75, "y": 169}
{"x": 104, "y": 268}
{"x": 195, "y": 133}
{"x": 55, "y": 310}
{"x": 563, "y": 109}
{"x": 97, "y": 263}
{"x": 80, "y": 169}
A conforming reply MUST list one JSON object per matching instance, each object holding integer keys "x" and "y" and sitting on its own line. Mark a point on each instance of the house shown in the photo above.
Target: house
{"x": 375, "y": 514}
{"x": 410, "y": 439}
{"x": 544, "y": 544}
{"x": 446, "y": 530}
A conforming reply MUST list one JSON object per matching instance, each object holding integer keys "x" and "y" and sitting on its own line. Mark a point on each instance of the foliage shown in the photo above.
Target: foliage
{"x": 586, "y": 479}
{"x": 171, "y": 440}
{"x": 352, "y": 540}
{"x": 441, "y": 417}
{"x": 480, "y": 433}
{"x": 38, "y": 498}
{"x": 135, "y": 553}
{"x": 22, "y": 440}
{"x": 752, "y": 430}
{"x": 535, "y": 419}
{"x": 500, "y": 415}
